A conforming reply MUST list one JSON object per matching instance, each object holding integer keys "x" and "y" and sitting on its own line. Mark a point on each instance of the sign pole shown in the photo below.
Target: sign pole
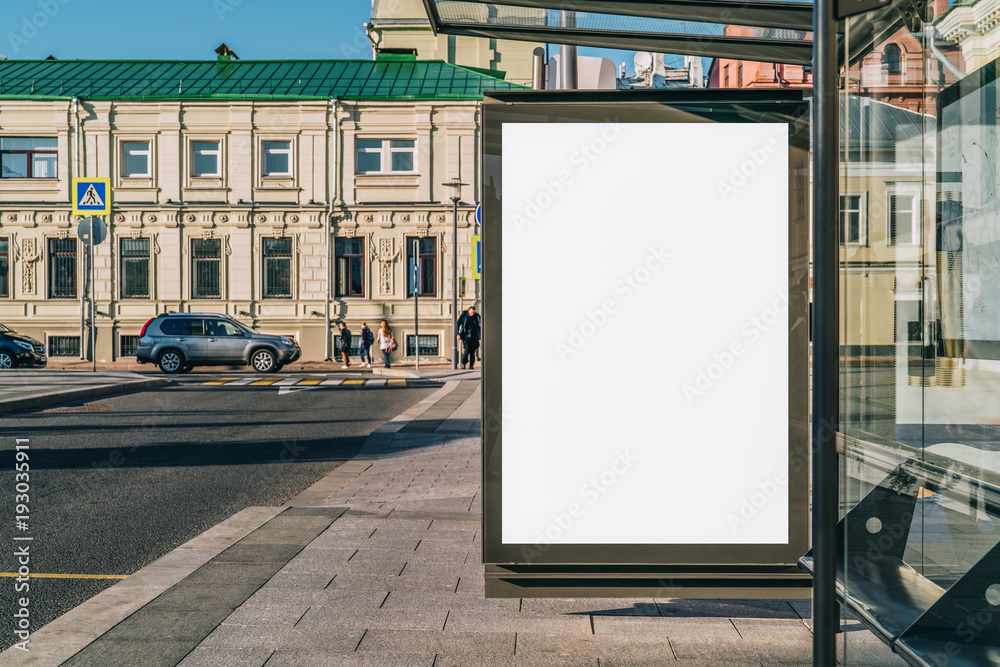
{"x": 93, "y": 309}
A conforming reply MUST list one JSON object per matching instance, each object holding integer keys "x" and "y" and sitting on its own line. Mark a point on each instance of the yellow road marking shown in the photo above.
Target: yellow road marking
{"x": 397, "y": 383}
{"x": 34, "y": 575}
{"x": 309, "y": 382}
{"x": 221, "y": 381}
{"x": 264, "y": 383}
{"x": 353, "y": 382}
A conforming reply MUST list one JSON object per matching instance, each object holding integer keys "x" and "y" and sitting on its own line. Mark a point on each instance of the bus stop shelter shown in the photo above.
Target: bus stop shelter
{"x": 775, "y": 31}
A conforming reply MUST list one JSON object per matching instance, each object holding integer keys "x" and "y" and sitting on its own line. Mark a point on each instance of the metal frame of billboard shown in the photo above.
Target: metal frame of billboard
{"x": 647, "y": 570}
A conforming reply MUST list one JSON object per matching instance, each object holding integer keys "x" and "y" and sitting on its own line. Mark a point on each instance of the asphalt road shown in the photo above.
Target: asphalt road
{"x": 117, "y": 482}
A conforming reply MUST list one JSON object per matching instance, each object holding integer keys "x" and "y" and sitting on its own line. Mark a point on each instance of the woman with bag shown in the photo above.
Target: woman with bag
{"x": 386, "y": 341}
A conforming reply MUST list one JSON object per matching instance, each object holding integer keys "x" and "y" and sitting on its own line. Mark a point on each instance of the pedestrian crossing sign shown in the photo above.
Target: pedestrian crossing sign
{"x": 91, "y": 196}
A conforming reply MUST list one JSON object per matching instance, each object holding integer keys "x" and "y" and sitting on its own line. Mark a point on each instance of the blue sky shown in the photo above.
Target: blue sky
{"x": 192, "y": 29}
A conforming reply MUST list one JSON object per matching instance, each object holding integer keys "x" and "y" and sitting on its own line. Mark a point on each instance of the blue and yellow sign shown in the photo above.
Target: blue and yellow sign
{"x": 91, "y": 196}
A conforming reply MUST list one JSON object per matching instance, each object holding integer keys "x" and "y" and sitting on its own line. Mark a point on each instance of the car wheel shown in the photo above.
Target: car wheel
{"x": 186, "y": 368}
{"x": 263, "y": 361}
{"x": 171, "y": 361}
{"x": 7, "y": 361}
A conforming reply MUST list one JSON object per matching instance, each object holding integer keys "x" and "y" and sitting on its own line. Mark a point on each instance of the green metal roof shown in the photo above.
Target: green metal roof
{"x": 387, "y": 78}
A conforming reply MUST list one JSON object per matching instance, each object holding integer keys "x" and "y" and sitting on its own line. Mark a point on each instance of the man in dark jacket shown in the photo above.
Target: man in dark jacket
{"x": 470, "y": 330}
{"x": 345, "y": 344}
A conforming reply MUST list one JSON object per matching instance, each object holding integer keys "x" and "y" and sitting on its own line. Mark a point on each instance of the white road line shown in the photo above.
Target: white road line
{"x": 332, "y": 382}
{"x": 241, "y": 381}
{"x": 377, "y": 382}
{"x": 287, "y": 381}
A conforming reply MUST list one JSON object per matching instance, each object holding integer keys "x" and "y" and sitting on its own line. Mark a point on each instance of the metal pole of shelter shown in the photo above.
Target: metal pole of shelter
{"x": 826, "y": 337}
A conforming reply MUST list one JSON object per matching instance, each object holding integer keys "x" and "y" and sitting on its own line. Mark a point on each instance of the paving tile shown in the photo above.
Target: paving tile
{"x": 297, "y": 598}
{"x": 516, "y": 661}
{"x": 513, "y": 621}
{"x": 211, "y": 657}
{"x": 597, "y": 606}
{"x": 167, "y": 624}
{"x": 405, "y": 600}
{"x": 344, "y": 640}
{"x": 353, "y": 582}
{"x": 261, "y": 615}
{"x": 448, "y": 643}
{"x": 299, "y": 582}
{"x": 338, "y": 617}
{"x": 148, "y": 653}
{"x": 202, "y": 596}
{"x": 327, "y": 659}
{"x": 531, "y": 644}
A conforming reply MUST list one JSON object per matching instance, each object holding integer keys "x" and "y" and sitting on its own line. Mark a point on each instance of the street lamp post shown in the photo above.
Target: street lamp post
{"x": 455, "y": 195}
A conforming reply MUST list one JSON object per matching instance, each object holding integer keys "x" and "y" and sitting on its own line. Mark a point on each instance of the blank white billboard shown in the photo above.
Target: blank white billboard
{"x": 645, "y": 333}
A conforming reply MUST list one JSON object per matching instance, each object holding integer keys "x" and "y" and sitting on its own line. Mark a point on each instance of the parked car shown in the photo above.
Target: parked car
{"x": 19, "y": 350}
{"x": 177, "y": 342}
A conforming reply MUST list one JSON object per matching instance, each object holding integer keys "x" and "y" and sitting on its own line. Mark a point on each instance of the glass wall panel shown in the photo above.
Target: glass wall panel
{"x": 920, "y": 334}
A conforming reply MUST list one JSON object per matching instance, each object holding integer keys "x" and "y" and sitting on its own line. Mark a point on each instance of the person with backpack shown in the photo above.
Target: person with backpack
{"x": 470, "y": 330}
{"x": 367, "y": 339}
{"x": 345, "y": 344}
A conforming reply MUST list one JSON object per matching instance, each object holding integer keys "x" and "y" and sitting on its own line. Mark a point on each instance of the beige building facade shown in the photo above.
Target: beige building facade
{"x": 264, "y": 209}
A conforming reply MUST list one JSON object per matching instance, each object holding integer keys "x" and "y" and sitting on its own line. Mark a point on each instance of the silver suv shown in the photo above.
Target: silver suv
{"x": 177, "y": 342}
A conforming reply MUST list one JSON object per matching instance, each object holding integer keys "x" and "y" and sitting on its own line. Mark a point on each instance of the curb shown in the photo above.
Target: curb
{"x": 45, "y": 400}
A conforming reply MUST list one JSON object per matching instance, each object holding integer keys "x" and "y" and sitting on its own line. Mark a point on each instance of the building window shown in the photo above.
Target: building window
{"x": 277, "y": 268}
{"x": 353, "y": 351}
{"x": 381, "y": 156}
{"x": 135, "y": 268}
{"x": 277, "y": 158}
{"x": 135, "y": 159}
{"x": 904, "y": 219}
{"x": 428, "y": 345}
{"x": 4, "y": 267}
{"x": 853, "y": 223}
{"x": 891, "y": 60}
{"x": 205, "y": 158}
{"x": 350, "y": 279}
{"x": 28, "y": 157}
{"x": 64, "y": 346}
{"x": 127, "y": 345}
{"x": 62, "y": 268}
{"x": 206, "y": 269}
{"x": 427, "y": 250}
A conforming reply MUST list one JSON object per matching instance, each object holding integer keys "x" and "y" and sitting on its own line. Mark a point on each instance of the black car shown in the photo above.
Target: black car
{"x": 19, "y": 350}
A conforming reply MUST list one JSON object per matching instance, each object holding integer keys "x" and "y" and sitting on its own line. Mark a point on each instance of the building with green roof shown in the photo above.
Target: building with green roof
{"x": 289, "y": 194}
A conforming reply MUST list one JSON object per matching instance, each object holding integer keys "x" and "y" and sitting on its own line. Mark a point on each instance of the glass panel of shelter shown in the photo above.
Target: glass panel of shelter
{"x": 920, "y": 330}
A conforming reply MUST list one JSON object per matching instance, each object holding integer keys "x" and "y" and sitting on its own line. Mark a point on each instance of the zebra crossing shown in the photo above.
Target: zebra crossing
{"x": 313, "y": 381}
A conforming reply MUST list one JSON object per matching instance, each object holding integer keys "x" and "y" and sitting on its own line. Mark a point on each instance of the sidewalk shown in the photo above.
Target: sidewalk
{"x": 378, "y": 564}
{"x": 21, "y": 389}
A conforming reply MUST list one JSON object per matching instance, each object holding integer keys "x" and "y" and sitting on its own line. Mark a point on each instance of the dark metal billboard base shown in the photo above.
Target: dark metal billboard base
{"x": 693, "y": 582}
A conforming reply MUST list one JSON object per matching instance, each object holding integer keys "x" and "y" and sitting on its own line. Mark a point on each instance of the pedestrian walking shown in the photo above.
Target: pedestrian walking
{"x": 386, "y": 341}
{"x": 470, "y": 330}
{"x": 367, "y": 339}
{"x": 345, "y": 345}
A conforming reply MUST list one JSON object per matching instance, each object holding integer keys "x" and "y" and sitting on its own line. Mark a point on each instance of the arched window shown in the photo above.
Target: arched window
{"x": 891, "y": 59}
